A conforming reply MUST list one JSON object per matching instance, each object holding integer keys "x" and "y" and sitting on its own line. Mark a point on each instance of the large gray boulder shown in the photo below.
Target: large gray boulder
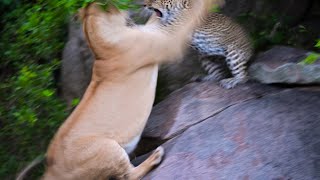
{"x": 194, "y": 103}
{"x": 250, "y": 132}
{"x": 282, "y": 65}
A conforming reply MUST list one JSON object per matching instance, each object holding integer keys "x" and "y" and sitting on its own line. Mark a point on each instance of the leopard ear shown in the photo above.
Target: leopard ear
{"x": 186, "y": 3}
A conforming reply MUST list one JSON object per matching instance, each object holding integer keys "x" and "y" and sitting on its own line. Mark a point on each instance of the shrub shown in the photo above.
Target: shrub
{"x": 32, "y": 39}
{"x": 30, "y": 113}
{"x": 312, "y": 57}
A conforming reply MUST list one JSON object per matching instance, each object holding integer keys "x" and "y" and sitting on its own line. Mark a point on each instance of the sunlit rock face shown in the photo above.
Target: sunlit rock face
{"x": 282, "y": 65}
{"x": 251, "y": 132}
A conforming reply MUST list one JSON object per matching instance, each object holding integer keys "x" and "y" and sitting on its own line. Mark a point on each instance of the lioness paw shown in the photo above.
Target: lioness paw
{"x": 157, "y": 155}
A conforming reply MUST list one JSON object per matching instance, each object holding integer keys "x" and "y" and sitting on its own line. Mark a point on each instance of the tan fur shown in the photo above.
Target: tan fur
{"x": 113, "y": 112}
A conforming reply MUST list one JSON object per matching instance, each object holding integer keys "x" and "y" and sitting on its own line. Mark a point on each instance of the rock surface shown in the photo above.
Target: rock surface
{"x": 250, "y": 132}
{"x": 295, "y": 9}
{"x": 174, "y": 76}
{"x": 195, "y": 103}
{"x": 77, "y": 62}
{"x": 280, "y": 65}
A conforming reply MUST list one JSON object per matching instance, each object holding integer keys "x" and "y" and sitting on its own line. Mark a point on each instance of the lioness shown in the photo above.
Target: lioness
{"x": 94, "y": 142}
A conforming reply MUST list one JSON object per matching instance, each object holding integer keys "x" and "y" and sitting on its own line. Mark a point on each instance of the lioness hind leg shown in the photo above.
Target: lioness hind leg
{"x": 117, "y": 165}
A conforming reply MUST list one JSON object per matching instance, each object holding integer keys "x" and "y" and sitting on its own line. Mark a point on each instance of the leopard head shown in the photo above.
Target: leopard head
{"x": 167, "y": 10}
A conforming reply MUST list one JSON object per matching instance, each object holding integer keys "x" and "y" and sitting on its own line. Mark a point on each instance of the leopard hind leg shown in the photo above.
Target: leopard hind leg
{"x": 237, "y": 64}
{"x": 215, "y": 68}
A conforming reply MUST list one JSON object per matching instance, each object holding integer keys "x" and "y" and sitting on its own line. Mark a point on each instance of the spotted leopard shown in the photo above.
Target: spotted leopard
{"x": 218, "y": 36}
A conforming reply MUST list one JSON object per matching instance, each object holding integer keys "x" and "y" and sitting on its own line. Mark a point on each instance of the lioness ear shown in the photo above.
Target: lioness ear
{"x": 81, "y": 14}
{"x": 186, "y": 3}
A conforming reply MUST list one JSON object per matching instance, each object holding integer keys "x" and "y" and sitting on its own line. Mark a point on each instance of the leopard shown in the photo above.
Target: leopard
{"x": 224, "y": 46}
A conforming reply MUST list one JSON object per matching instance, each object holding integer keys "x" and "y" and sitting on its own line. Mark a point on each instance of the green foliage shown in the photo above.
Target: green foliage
{"x": 264, "y": 32}
{"x": 30, "y": 114}
{"x": 34, "y": 32}
{"x": 123, "y": 4}
{"x": 312, "y": 57}
{"x": 318, "y": 44}
{"x": 30, "y": 111}
{"x": 32, "y": 39}
{"x": 272, "y": 29}
{"x": 215, "y": 9}
{"x": 6, "y": 2}
{"x": 75, "y": 102}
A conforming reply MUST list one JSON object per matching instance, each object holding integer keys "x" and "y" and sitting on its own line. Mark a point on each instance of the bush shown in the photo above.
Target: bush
{"x": 30, "y": 113}
{"x": 32, "y": 39}
{"x": 313, "y": 56}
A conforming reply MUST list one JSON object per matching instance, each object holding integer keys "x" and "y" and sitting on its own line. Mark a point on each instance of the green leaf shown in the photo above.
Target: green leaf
{"x": 75, "y": 102}
{"x": 215, "y": 9}
{"x": 318, "y": 44}
{"x": 312, "y": 58}
{"x": 302, "y": 29}
{"x": 120, "y": 4}
{"x": 47, "y": 93}
{"x": 26, "y": 115}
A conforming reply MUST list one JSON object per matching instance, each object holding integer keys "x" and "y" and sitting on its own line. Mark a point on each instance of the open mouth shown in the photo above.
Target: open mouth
{"x": 157, "y": 11}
